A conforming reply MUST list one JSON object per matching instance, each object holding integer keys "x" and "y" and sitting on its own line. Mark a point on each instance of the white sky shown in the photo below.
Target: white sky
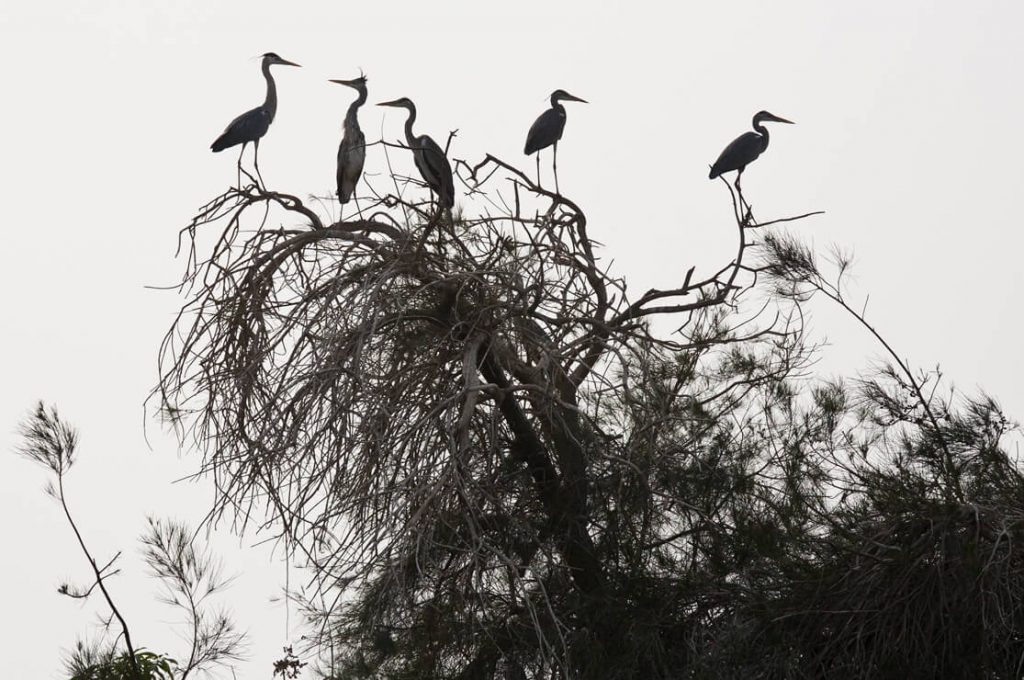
{"x": 908, "y": 135}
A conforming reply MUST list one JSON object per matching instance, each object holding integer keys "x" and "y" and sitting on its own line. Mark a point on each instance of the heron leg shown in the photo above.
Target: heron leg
{"x": 256, "y": 162}
{"x": 538, "y": 167}
{"x": 243, "y": 171}
{"x": 554, "y": 165}
{"x": 238, "y": 167}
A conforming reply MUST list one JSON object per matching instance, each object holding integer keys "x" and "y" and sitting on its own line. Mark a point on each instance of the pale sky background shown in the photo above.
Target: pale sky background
{"x": 908, "y": 134}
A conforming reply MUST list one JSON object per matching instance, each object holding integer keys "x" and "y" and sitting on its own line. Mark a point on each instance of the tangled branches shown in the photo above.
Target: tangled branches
{"x": 440, "y": 415}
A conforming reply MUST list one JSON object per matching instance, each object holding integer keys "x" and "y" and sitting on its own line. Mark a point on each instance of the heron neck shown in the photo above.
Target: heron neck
{"x": 353, "y": 108}
{"x": 270, "y": 103}
{"x": 763, "y": 131}
{"x": 409, "y": 136}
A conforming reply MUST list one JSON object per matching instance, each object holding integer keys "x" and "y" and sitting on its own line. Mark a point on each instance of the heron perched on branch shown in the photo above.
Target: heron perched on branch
{"x": 430, "y": 159}
{"x": 253, "y": 124}
{"x": 745, "y": 148}
{"x": 547, "y": 130}
{"x": 352, "y": 150}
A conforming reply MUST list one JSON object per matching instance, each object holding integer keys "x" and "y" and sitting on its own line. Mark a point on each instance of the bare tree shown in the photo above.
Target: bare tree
{"x": 436, "y": 415}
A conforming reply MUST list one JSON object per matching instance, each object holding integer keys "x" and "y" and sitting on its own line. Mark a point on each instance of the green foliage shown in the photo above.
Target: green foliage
{"x": 147, "y": 665}
{"x": 289, "y": 666}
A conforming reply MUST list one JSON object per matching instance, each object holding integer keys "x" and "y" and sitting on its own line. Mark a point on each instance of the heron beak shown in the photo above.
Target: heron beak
{"x": 285, "y": 62}
{"x": 393, "y": 102}
{"x": 781, "y": 120}
{"x": 574, "y": 98}
{"x": 350, "y": 83}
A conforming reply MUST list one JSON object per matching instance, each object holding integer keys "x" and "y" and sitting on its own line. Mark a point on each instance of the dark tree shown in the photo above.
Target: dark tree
{"x": 496, "y": 463}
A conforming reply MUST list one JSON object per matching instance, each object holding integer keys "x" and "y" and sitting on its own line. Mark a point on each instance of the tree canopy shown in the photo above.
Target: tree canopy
{"x": 497, "y": 462}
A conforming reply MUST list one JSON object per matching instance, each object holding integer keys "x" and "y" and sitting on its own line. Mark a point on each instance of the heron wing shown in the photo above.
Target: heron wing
{"x": 246, "y": 128}
{"x": 738, "y": 154}
{"x": 545, "y": 131}
{"x": 351, "y": 156}
{"x": 435, "y": 169}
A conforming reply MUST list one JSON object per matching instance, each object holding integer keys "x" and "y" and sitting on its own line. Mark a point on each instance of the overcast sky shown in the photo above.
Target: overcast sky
{"x": 908, "y": 136}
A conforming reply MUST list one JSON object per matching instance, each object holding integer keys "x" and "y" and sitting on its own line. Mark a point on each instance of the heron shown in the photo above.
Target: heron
{"x": 547, "y": 130}
{"x": 745, "y": 148}
{"x": 352, "y": 150}
{"x": 253, "y": 124}
{"x": 428, "y": 156}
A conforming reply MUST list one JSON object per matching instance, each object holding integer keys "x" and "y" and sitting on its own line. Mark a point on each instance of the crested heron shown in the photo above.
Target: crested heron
{"x": 547, "y": 130}
{"x": 745, "y": 148}
{"x": 352, "y": 150}
{"x": 253, "y": 124}
{"x": 428, "y": 156}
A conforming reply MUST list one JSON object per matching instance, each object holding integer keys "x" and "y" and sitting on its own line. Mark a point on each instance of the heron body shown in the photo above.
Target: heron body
{"x": 248, "y": 127}
{"x": 746, "y": 148}
{"x": 253, "y": 124}
{"x": 548, "y": 129}
{"x": 428, "y": 156}
{"x": 352, "y": 150}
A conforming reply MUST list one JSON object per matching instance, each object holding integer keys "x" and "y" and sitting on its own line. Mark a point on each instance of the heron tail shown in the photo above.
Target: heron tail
{"x": 219, "y": 144}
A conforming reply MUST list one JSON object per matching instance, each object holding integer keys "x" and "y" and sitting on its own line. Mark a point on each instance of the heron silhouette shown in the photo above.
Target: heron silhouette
{"x": 253, "y": 124}
{"x": 746, "y": 148}
{"x": 352, "y": 149}
{"x": 547, "y": 130}
{"x": 428, "y": 156}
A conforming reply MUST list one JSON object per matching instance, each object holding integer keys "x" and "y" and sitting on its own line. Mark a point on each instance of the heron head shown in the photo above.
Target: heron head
{"x": 562, "y": 95}
{"x": 402, "y": 103}
{"x": 765, "y": 117}
{"x": 356, "y": 83}
{"x": 271, "y": 58}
